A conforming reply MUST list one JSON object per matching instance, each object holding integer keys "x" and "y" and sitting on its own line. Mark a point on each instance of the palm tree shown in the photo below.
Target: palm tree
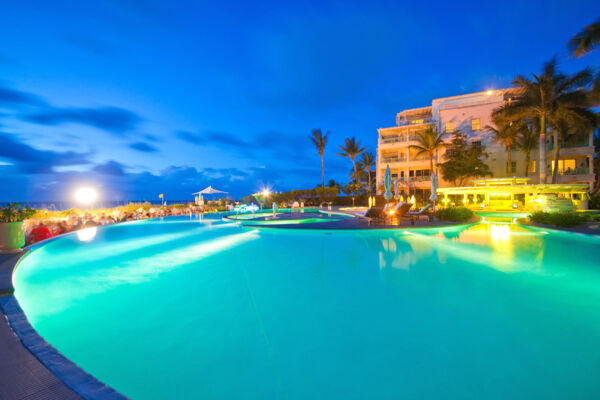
{"x": 585, "y": 40}
{"x": 320, "y": 141}
{"x": 367, "y": 162}
{"x": 505, "y": 134}
{"x": 543, "y": 97}
{"x": 526, "y": 141}
{"x": 429, "y": 143}
{"x": 566, "y": 128}
{"x": 352, "y": 149}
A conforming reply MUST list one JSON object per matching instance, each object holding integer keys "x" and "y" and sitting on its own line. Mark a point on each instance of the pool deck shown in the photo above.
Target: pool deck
{"x": 29, "y": 367}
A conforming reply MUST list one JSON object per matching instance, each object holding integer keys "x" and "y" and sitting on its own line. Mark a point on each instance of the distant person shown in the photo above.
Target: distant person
{"x": 40, "y": 232}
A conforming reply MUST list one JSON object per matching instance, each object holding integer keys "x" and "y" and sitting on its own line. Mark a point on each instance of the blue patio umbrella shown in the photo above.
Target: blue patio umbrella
{"x": 387, "y": 180}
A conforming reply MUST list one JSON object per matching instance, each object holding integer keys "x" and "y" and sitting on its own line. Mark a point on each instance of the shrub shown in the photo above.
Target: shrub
{"x": 455, "y": 214}
{"x": 13, "y": 212}
{"x": 594, "y": 202}
{"x": 563, "y": 219}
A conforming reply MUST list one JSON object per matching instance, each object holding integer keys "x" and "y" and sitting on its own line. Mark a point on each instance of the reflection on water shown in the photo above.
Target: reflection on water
{"x": 503, "y": 246}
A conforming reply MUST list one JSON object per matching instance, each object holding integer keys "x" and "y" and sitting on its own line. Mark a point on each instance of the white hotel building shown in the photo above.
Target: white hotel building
{"x": 470, "y": 113}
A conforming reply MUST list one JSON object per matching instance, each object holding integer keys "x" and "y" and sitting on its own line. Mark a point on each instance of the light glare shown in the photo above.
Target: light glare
{"x": 85, "y": 195}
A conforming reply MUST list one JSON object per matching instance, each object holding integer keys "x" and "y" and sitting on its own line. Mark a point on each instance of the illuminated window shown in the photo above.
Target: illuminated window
{"x": 476, "y": 124}
{"x": 531, "y": 166}
{"x": 477, "y": 144}
{"x": 416, "y": 121}
{"x": 449, "y": 126}
{"x": 564, "y": 166}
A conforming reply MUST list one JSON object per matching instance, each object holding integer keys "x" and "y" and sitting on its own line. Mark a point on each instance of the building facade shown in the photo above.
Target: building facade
{"x": 470, "y": 113}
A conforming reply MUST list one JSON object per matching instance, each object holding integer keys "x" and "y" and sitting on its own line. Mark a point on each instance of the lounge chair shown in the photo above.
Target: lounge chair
{"x": 373, "y": 214}
{"x": 417, "y": 214}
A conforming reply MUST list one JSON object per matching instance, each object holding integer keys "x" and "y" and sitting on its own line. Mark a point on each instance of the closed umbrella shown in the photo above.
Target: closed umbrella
{"x": 387, "y": 179}
{"x": 397, "y": 192}
{"x": 433, "y": 196}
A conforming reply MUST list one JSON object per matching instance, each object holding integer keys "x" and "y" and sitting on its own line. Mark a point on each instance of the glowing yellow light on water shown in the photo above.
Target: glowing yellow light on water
{"x": 87, "y": 234}
{"x": 86, "y": 195}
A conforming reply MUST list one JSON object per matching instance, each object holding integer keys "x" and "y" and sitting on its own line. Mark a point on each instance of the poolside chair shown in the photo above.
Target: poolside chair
{"x": 399, "y": 211}
{"x": 412, "y": 215}
{"x": 373, "y": 214}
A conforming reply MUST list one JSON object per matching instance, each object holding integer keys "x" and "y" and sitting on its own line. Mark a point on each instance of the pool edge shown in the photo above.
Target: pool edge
{"x": 65, "y": 370}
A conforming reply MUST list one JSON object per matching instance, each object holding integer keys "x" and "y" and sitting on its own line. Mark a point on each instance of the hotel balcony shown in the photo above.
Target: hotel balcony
{"x": 415, "y": 121}
{"x": 574, "y": 176}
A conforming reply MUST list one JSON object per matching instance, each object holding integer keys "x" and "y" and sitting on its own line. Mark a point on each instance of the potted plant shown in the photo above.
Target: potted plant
{"x": 12, "y": 237}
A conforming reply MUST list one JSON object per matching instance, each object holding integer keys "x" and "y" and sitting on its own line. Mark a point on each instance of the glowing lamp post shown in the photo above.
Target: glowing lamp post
{"x": 86, "y": 195}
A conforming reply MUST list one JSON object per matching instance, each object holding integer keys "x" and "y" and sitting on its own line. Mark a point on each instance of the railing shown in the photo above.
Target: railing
{"x": 391, "y": 159}
{"x": 395, "y": 139}
{"x": 565, "y": 145}
{"x": 415, "y": 121}
{"x": 576, "y": 171}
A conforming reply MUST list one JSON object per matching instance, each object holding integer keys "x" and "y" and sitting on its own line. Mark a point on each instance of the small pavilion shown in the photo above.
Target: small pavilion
{"x": 511, "y": 193}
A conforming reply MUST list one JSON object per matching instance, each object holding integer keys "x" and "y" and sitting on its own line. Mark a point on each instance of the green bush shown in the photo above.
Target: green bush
{"x": 594, "y": 202}
{"x": 13, "y": 212}
{"x": 455, "y": 214}
{"x": 563, "y": 219}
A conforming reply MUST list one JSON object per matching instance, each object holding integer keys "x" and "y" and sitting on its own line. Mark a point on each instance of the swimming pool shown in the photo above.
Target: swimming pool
{"x": 210, "y": 309}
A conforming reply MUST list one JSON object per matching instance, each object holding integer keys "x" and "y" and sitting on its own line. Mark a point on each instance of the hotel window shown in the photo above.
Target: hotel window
{"x": 475, "y": 124}
{"x": 416, "y": 121}
{"x": 477, "y": 144}
{"x": 513, "y": 167}
{"x": 531, "y": 166}
{"x": 449, "y": 126}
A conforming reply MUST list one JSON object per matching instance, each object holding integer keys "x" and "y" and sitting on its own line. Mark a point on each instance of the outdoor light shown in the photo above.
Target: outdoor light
{"x": 85, "y": 195}
{"x": 489, "y": 92}
{"x": 266, "y": 192}
{"x": 515, "y": 206}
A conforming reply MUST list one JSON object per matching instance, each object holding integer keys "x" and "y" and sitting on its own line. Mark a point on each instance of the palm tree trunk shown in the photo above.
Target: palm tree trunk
{"x": 355, "y": 171}
{"x": 556, "y": 155}
{"x": 527, "y": 161}
{"x": 509, "y": 162}
{"x": 369, "y": 173}
{"x": 543, "y": 160}
{"x": 322, "y": 173}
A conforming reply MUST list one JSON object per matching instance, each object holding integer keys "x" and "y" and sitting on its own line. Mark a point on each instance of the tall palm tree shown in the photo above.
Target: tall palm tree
{"x": 505, "y": 134}
{"x": 429, "y": 143}
{"x": 320, "y": 141}
{"x": 367, "y": 162}
{"x": 565, "y": 128}
{"x": 526, "y": 141}
{"x": 352, "y": 149}
{"x": 585, "y": 40}
{"x": 543, "y": 97}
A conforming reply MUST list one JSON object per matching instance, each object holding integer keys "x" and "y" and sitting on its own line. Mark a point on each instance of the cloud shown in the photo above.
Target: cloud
{"x": 115, "y": 120}
{"x": 143, "y": 147}
{"x": 110, "y": 168}
{"x": 215, "y": 138}
{"x": 30, "y": 160}
{"x": 17, "y": 98}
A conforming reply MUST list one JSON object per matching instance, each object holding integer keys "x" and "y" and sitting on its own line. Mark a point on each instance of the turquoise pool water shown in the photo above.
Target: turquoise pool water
{"x": 212, "y": 310}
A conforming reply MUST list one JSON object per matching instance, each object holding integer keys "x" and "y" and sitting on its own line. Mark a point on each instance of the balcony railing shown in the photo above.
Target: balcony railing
{"x": 415, "y": 121}
{"x": 391, "y": 159}
{"x": 565, "y": 145}
{"x": 576, "y": 171}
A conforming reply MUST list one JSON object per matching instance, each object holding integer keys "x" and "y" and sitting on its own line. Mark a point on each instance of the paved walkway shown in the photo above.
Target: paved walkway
{"x": 22, "y": 375}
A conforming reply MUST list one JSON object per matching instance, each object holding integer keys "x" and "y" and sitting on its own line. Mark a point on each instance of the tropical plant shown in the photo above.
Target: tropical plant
{"x": 585, "y": 40}
{"x": 527, "y": 141}
{"x": 564, "y": 218}
{"x": 544, "y": 97}
{"x": 464, "y": 161}
{"x": 505, "y": 134}
{"x": 320, "y": 141}
{"x": 362, "y": 175}
{"x": 455, "y": 214}
{"x": 368, "y": 162}
{"x": 13, "y": 212}
{"x": 429, "y": 143}
{"x": 352, "y": 149}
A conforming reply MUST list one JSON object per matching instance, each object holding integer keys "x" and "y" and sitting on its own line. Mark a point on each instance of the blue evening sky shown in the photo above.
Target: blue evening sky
{"x": 139, "y": 98}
